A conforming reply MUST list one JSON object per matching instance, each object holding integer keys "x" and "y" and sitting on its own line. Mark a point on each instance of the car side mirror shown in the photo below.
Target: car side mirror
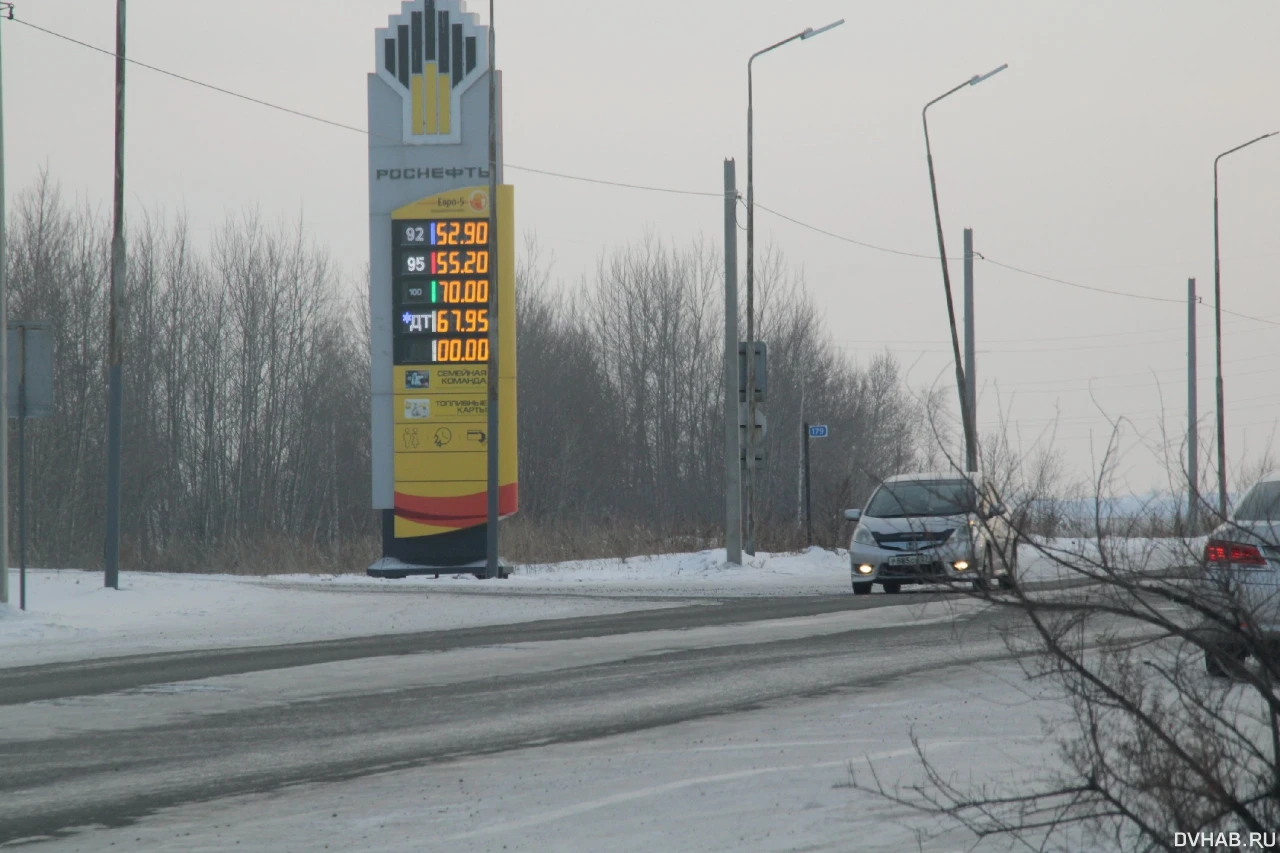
{"x": 996, "y": 510}
{"x": 853, "y": 514}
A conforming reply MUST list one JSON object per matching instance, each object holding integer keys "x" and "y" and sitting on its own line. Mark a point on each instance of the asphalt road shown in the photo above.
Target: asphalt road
{"x": 101, "y": 761}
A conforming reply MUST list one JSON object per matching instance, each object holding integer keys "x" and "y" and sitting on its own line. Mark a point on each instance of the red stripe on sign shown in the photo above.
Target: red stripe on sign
{"x": 456, "y": 512}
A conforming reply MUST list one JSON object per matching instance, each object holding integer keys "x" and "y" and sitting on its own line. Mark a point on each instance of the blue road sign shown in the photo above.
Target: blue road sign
{"x": 818, "y": 431}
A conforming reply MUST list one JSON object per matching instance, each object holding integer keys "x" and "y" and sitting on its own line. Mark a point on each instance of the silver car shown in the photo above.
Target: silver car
{"x": 931, "y": 528}
{"x": 1242, "y": 578}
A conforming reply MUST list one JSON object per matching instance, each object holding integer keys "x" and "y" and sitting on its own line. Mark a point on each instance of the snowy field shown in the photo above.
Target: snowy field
{"x": 71, "y": 616}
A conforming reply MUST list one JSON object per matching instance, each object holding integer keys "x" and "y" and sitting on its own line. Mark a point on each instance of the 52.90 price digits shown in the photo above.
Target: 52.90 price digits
{"x": 454, "y": 233}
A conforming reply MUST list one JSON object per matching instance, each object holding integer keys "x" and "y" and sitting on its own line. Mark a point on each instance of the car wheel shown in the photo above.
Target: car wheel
{"x": 980, "y": 584}
{"x": 862, "y": 588}
{"x": 892, "y": 587}
{"x": 1223, "y": 661}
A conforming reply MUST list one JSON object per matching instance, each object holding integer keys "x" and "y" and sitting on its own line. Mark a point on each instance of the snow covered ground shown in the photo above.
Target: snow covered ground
{"x": 772, "y": 779}
{"x": 71, "y": 616}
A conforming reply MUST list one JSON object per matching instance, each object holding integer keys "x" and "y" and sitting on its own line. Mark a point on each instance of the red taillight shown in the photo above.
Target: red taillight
{"x": 1222, "y": 551}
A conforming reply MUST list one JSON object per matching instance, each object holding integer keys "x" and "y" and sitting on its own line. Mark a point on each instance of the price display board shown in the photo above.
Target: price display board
{"x": 443, "y": 278}
{"x": 442, "y": 281}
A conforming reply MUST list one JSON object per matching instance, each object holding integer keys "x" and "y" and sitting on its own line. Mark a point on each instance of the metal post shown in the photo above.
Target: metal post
{"x": 1217, "y": 331}
{"x": 966, "y": 410}
{"x": 749, "y": 493}
{"x": 1217, "y": 344}
{"x": 732, "y": 449}
{"x": 494, "y": 482}
{"x": 808, "y": 503}
{"x": 970, "y": 356}
{"x": 22, "y": 467}
{"x": 800, "y": 449}
{"x": 114, "y": 341}
{"x": 749, "y": 497}
{"x": 946, "y": 284}
{"x": 1193, "y": 415}
{"x": 4, "y": 356}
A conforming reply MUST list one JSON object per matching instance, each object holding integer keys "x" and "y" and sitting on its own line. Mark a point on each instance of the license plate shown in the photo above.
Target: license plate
{"x": 910, "y": 560}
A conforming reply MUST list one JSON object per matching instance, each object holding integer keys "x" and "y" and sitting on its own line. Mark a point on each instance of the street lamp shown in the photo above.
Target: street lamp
{"x": 966, "y": 416}
{"x": 1217, "y": 330}
{"x": 807, "y": 34}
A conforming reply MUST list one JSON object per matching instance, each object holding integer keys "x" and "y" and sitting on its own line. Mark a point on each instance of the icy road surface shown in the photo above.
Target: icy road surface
{"x": 694, "y": 707}
{"x": 689, "y": 728}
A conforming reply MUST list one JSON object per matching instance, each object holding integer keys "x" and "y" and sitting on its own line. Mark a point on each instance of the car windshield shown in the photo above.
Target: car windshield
{"x": 922, "y": 497}
{"x": 1261, "y": 504}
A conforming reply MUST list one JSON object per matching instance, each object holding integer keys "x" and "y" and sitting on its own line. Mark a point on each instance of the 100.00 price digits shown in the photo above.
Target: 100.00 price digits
{"x": 445, "y": 350}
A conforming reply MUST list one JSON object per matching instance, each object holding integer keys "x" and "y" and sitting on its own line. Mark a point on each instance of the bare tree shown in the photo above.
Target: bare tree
{"x": 1163, "y": 653}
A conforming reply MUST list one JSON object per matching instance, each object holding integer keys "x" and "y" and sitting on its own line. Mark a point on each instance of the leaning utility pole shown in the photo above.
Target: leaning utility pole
{"x": 115, "y": 344}
{"x": 970, "y": 359}
{"x": 1193, "y": 418}
{"x": 4, "y": 359}
{"x": 732, "y": 448}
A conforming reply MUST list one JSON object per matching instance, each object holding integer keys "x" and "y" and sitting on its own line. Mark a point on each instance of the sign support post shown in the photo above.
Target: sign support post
{"x": 808, "y": 506}
{"x": 6, "y": 11}
{"x": 809, "y": 431}
{"x": 491, "y": 545}
{"x": 28, "y": 394}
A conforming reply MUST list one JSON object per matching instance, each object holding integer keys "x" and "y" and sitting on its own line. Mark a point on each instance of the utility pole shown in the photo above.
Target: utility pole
{"x": 1217, "y": 330}
{"x": 1193, "y": 417}
{"x": 808, "y": 503}
{"x": 970, "y": 358}
{"x": 491, "y": 569}
{"x": 966, "y": 419}
{"x": 801, "y": 461}
{"x": 6, "y": 11}
{"x": 115, "y": 377}
{"x": 750, "y": 497}
{"x": 732, "y": 449}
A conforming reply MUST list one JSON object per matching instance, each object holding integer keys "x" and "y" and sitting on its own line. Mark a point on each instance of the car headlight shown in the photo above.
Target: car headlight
{"x": 863, "y": 536}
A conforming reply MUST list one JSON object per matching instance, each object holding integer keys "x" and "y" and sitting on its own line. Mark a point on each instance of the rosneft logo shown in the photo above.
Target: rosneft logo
{"x": 431, "y": 53}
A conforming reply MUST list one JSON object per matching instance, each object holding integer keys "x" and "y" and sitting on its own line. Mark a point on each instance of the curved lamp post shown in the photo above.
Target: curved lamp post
{"x": 966, "y": 416}
{"x": 808, "y": 33}
{"x": 1217, "y": 330}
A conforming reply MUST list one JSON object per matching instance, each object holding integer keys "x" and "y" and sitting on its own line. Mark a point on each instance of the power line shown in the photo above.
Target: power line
{"x": 1063, "y": 281}
{"x": 195, "y": 82}
{"x": 841, "y": 237}
{"x": 612, "y": 183}
{"x": 341, "y": 125}
{"x": 1010, "y": 267}
{"x": 625, "y": 185}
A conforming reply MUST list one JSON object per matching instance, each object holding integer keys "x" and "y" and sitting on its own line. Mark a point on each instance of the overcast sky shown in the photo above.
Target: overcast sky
{"x": 1090, "y": 159}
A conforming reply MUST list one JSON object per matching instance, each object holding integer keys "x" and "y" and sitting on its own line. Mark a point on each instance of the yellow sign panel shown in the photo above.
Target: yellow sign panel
{"x": 449, "y": 379}
{"x": 441, "y": 407}
{"x": 453, "y": 437}
{"x": 441, "y": 288}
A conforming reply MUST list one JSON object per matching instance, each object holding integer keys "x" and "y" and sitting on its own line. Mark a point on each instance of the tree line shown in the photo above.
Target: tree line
{"x": 246, "y": 388}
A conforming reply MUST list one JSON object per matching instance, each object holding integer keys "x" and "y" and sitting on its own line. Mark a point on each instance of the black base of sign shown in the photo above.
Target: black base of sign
{"x": 460, "y": 552}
